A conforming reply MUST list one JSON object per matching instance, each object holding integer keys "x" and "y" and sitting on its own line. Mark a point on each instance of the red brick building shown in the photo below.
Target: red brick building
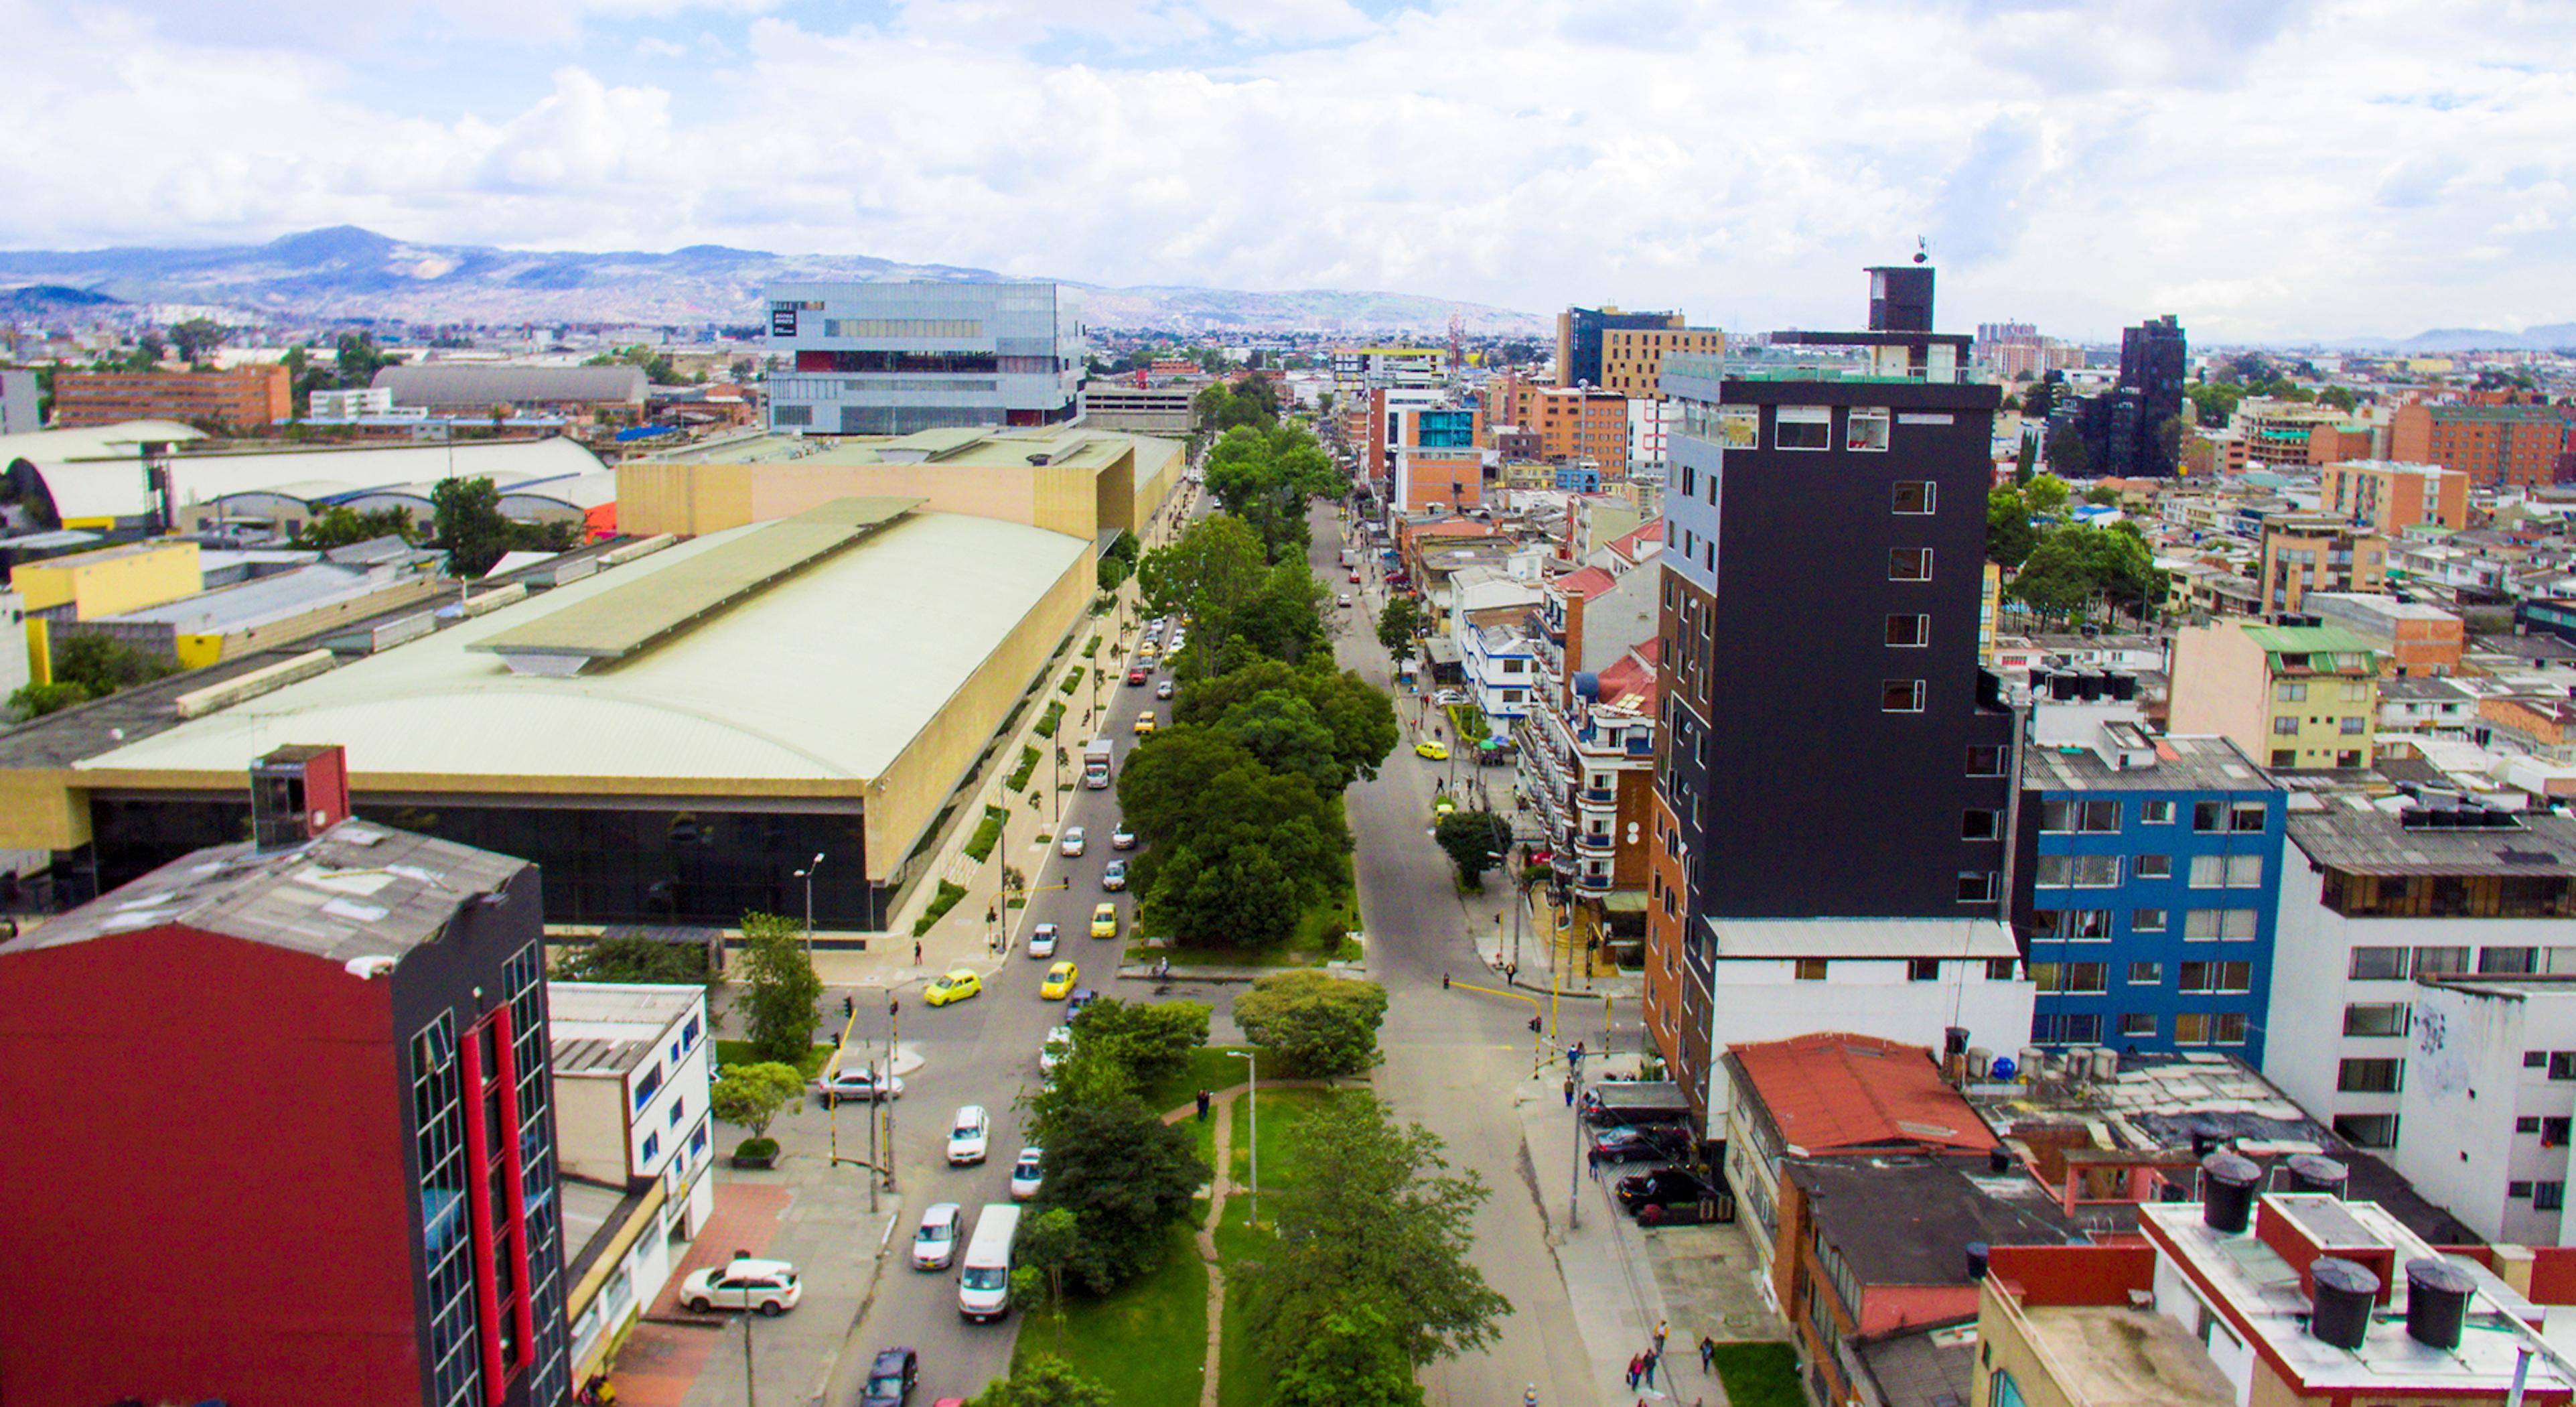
{"x": 245, "y": 398}
{"x": 2497, "y": 446}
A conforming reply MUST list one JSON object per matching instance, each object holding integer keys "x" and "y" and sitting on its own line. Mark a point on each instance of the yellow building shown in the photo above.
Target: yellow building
{"x": 1987, "y": 612}
{"x": 1632, "y": 358}
{"x": 111, "y": 580}
{"x": 2303, "y": 697}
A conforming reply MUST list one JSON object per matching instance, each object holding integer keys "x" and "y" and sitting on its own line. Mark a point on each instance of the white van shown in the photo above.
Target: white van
{"x": 984, "y": 1291}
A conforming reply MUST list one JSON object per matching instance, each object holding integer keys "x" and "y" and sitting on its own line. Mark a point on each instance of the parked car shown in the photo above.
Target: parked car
{"x": 969, "y": 1135}
{"x": 1355, "y": 576}
{"x": 1042, "y": 941}
{"x": 1059, "y": 981}
{"x": 1114, "y": 875}
{"x": 1663, "y": 1187}
{"x": 1162, "y": 688}
{"x": 857, "y": 1082}
{"x": 954, "y": 985}
{"x": 1446, "y": 697}
{"x": 1637, "y": 1145}
{"x": 1070, "y": 843}
{"x": 1432, "y": 748}
{"x": 1059, "y": 1044}
{"x": 1074, "y": 1004}
{"x": 1122, "y": 839}
{"x": 891, "y": 1379}
{"x": 1346, "y": 602}
{"x": 769, "y": 1286}
{"x": 934, "y": 1242}
{"x": 1027, "y": 1173}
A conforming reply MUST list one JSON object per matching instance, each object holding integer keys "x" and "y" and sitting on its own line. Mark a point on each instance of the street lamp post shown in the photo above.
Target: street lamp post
{"x": 807, "y": 874}
{"x": 1252, "y": 1097}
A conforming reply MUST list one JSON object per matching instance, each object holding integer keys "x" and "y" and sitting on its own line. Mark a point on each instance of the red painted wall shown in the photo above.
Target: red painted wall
{"x": 2075, "y": 1275}
{"x": 202, "y": 1167}
{"x": 2553, "y": 1275}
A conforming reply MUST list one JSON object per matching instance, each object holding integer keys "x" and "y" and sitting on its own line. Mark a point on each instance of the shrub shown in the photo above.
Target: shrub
{"x": 1072, "y": 681}
{"x": 988, "y": 833}
{"x": 1020, "y": 774}
{"x": 940, "y": 904}
{"x": 1046, "y": 724}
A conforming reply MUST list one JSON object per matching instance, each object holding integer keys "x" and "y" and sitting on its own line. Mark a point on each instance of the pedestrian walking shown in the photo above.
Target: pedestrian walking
{"x": 1650, "y": 1370}
{"x": 1203, "y": 1106}
{"x": 1636, "y": 1369}
{"x": 1707, "y": 1354}
{"x": 1569, "y": 1091}
{"x": 916, "y": 952}
{"x": 1663, "y": 1327}
{"x": 1594, "y": 1158}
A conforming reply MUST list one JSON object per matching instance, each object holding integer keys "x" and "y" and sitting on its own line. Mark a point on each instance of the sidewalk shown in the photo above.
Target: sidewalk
{"x": 1623, "y": 1279}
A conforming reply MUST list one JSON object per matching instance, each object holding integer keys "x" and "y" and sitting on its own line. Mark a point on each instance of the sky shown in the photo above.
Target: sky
{"x": 2266, "y": 169}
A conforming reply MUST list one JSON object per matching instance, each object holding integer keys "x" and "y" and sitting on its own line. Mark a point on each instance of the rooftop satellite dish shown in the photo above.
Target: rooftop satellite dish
{"x": 1922, "y": 252}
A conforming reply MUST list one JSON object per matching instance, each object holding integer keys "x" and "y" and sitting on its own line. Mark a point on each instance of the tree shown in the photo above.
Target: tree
{"x": 1359, "y": 713}
{"x": 1044, "y": 1381}
{"x": 2214, "y": 403}
{"x": 1285, "y": 619}
{"x": 2101, "y": 495}
{"x": 1324, "y": 403}
{"x": 1376, "y": 1220}
{"x": 466, "y": 515}
{"x": 1351, "y": 1360}
{"x": 1165, "y": 782}
{"x": 2073, "y": 567}
{"x": 1044, "y": 1248}
{"x": 1475, "y": 841}
{"x": 2338, "y": 397}
{"x": 2040, "y": 397}
{"x": 1113, "y": 573}
{"x": 2046, "y": 495}
{"x": 749, "y": 1096}
{"x": 628, "y": 957}
{"x": 779, "y": 988}
{"x": 1211, "y": 572}
{"x": 359, "y": 359}
{"x": 32, "y": 700}
{"x": 1396, "y": 625}
{"x": 2067, "y": 456}
{"x": 149, "y": 349}
{"x": 1287, "y": 735}
{"x": 197, "y": 339}
{"x": 339, "y": 526}
{"x": 1128, "y": 1178}
{"x": 2169, "y": 440}
{"x": 1315, "y": 1023}
{"x": 2024, "y": 459}
{"x": 2009, "y": 535}
{"x": 1151, "y": 1041}
{"x": 87, "y": 666}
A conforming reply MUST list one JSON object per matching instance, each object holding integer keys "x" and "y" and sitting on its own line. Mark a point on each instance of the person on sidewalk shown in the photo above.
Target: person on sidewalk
{"x": 1663, "y": 1329}
{"x": 1569, "y": 1091}
{"x": 1650, "y": 1359}
{"x": 1636, "y": 1369}
{"x": 1203, "y": 1106}
{"x": 1707, "y": 1354}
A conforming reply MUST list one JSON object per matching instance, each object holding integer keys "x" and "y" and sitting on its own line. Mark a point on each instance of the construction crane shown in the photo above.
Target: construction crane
{"x": 1457, "y": 342}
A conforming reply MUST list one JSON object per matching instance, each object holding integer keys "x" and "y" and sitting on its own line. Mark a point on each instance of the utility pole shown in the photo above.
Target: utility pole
{"x": 750, "y": 1388}
{"x": 876, "y": 1097}
{"x": 894, "y": 1029}
{"x": 1574, "y": 1175}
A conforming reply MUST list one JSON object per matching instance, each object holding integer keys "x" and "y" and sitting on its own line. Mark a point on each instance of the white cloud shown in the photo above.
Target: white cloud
{"x": 2263, "y": 168}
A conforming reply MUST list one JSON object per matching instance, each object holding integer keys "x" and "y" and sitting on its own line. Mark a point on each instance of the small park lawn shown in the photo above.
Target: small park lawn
{"x": 1147, "y": 1341}
{"x": 1760, "y": 1375}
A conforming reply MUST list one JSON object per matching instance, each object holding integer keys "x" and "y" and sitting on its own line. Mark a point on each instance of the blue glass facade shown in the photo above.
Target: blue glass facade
{"x": 2148, "y": 912}
{"x": 1446, "y": 429}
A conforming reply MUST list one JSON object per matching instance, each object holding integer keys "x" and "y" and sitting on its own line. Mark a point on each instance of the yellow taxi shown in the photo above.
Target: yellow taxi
{"x": 1104, "y": 921}
{"x": 1443, "y": 807}
{"x": 955, "y": 985}
{"x": 1145, "y": 722}
{"x": 1148, "y": 652}
{"x": 1431, "y": 748}
{"x": 1059, "y": 982}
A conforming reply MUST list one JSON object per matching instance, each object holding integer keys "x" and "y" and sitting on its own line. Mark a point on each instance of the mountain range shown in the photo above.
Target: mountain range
{"x": 347, "y": 273}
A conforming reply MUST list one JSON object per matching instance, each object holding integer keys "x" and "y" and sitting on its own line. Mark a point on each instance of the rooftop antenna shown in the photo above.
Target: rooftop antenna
{"x": 1922, "y": 251}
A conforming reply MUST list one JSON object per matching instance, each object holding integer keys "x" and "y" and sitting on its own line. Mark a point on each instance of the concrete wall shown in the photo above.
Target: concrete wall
{"x": 590, "y": 1126}
{"x": 1763, "y": 1000}
{"x": 111, "y": 582}
{"x": 2219, "y": 686}
{"x": 2466, "y": 1090}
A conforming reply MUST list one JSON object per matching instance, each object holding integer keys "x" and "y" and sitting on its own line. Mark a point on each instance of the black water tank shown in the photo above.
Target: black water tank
{"x": 2311, "y": 1173}
{"x": 1954, "y": 1040}
{"x": 1977, "y": 1261}
{"x": 2091, "y": 682}
{"x": 2437, "y": 1301}
{"x": 2345, "y": 1292}
{"x": 2205, "y": 1138}
{"x": 2227, "y": 1184}
{"x": 2124, "y": 686}
{"x": 1999, "y": 1160}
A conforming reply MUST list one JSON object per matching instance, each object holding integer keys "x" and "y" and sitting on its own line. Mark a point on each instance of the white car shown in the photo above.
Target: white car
{"x": 1071, "y": 844}
{"x": 1042, "y": 941}
{"x": 1122, "y": 839}
{"x": 1059, "y": 1044}
{"x": 966, "y": 1140}
{"x": 1114, "y": 876}
{"x": 1346, "y": 603}
{"x": 934, "y": 1245}
{"x": 769, "y": 1286}
{"x": 858, "y": 1083}
{"x": 1026, "y": 1174}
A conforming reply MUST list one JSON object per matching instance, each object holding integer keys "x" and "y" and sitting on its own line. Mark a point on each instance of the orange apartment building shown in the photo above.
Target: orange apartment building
{"x": 2390, "y": 496}
{"x": 245, "y": 398}
{"x": 2497, "y": 446}
{"x": 1632, "y": 358}
{"x": 2329, "y": 443}
{"x": 2304, "y": 552}
{"x": 1563, "y": 423}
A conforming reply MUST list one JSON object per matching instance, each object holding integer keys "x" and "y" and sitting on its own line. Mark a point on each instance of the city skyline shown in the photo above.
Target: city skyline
{"x": 2276, "y": 172}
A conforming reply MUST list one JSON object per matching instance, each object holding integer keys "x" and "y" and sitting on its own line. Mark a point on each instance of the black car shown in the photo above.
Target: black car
{"x": 1638, "y": 1145}
{"x": 1664, "y": 1187}
{"x": 891, "y": 1379}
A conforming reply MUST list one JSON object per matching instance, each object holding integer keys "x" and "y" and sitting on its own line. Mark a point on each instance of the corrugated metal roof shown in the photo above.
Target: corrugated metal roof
{"x": 2348, "y": 833}
{"x": 1832, "y": 1091}
{"x": 450, "y": 386}
{"x": 113, "y": 487}
{"x": 619, "y": 622}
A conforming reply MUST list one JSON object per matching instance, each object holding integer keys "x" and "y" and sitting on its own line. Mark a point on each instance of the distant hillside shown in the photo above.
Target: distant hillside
{"x": 2547, "y": 337}
{"x": 354, "y": 274}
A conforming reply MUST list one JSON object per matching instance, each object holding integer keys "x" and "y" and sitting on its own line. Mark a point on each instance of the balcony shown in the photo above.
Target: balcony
{"x": 1597, "y": 798}
{"x": 1596, "y": 846}
{"x": 1593, "y": 883}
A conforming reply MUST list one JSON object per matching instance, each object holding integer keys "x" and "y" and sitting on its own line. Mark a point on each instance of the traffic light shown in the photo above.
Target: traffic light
{"x": 1534, "y": 1025}
{"x": 849, "y": 1007}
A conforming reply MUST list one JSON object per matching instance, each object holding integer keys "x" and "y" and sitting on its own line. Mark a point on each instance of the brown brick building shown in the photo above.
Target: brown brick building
{"x": 2497, "y": 446}
{"x": 246, "y": 398}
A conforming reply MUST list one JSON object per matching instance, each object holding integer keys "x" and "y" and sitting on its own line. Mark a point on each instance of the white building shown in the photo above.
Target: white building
{"x": 894, "y": 358}
{"x": 2485, "y": 1116}
{"x": 1651, "y": 423}
{"x": 2374, "y": 898}
{"x": 1904, "y": 980}
{"x": 351, "y": 403}
{"x": 1501, "y": 665}
{"x": 634, "y": 1142}
{"x": 2426, "y": 704}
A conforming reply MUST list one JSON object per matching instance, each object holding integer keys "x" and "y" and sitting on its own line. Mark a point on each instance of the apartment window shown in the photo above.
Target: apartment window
{"x": 1739, "y": 426}
{"x": 2146, "y": 974}
{"x": 2354, "y": 691}
{"x": 679, "y": 1107}
{"x": 1803, "y": 427}
{"x": 2529, "y": 1123}
{"x": 647, "y": 1084}
{"x": 2209, "y": 815}
{"x": 2548, "y": 1196}
{"x": 2367, "y": 1130}
{"x": 2289, "y": 692}
{"x": 2519, "y": 1189}
{"x": 2075, "y": 978}
{"x": 1900, "y": 696}
{"x": 1922, "y": 969}
{"x": 2370, "y": 1076}
{"x": 1913, "y": 497}
{"x": 2229, "y": 1027}
{"x": 2079, "y": 1028}
{"x": 1999, "y": 969}
{"x": 2216, "y": 977}
{"x": 2155, "y": 867}
{"x": 1909, "y": 564}
{"x": 2082, "y": 871}
{"x": 1980, "y": 823}
{"x": 2554, "y": 1132}
{"x": 2147, "y": 920}
{"x": 1985, "y": 760}
{"x": 1909, "y": 631}
{"x": 1811, "y": 969}
{"x": 652, "y": 1146}
{"x": 1865, "y": 431}
{"x": 2191, "y": 1028}
{"x": 1976, "y": 886}
{"x": 2285, "y": 726}
{"x": 2374, "y": 1019}
{"x": 2433, "y": 962}
{"x": 2508, "y": 962}
{"x": 2284, "y": 757}
{"x": 2562, "y": 1064}
{"x": 2138, "y": 1025}
{"x": 2078, "y": 925}
{"x": 689, "y": 1035}
{"x": 2156, "y": 813}
{"x": 2246, "y": 817}
{"x": 2378, "y": 964}
{"x": 2351, "y": 726}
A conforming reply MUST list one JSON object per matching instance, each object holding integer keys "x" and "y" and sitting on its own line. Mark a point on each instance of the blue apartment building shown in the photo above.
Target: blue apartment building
{"x": 2147, "y": 886}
